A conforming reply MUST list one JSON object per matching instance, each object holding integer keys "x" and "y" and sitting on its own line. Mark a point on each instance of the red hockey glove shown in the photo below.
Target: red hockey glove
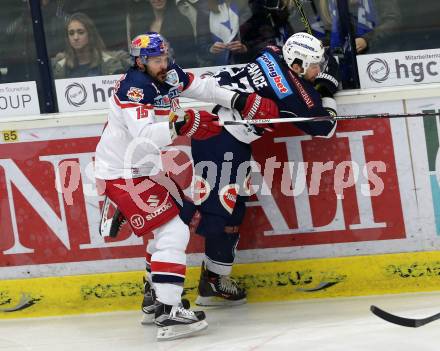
{"x": 199, "y": 125}
{"x": 254, "y": 106}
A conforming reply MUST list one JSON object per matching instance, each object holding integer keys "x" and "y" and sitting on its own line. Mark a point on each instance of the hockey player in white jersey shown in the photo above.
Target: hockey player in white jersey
{"x": 291, "y": 76}
{"x": 129, "y": 171}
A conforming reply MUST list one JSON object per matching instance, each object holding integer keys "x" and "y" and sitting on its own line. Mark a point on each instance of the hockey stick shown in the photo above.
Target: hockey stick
{"x": 304, "y": 18}
{"x": 110, "y": 225}
{"x": 405, "y": 322}
{"x": 326, "y": 118}
{"x": 106, "y": 221}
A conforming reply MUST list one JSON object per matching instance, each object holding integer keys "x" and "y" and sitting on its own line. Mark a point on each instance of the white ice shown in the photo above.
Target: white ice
{"x": 342, "y": 324}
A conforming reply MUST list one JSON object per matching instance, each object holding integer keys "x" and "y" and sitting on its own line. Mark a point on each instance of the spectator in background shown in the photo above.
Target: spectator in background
{"x": 268, "y": 25}
{"x": 218, "y": 32}
{"x": 84, "y": 54}
{"x": 420, "y": 25}
{"x": 163, "y": 16}
{"x": 188, "y": 8}
{"x": 375, "y": 23}
{"x": 109, "y": 17}
{"x": 19, "y": 61}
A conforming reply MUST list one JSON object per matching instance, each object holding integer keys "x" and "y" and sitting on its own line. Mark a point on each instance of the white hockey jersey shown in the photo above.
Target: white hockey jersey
{"x": 138, "y": 121}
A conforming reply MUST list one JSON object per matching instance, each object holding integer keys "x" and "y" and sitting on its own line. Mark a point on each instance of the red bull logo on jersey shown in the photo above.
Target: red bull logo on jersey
{"x": 135, "y": 94}
{"x": 275, "y": 75}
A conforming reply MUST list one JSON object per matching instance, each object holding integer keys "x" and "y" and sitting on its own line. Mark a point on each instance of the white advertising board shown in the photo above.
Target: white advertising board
{"x": 19, "y": 99}
{"x": 399, "y": 68}
{"x": 85, "y": 93}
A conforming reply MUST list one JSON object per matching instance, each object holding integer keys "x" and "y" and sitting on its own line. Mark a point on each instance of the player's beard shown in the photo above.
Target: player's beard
{"x": 161, "y": 76}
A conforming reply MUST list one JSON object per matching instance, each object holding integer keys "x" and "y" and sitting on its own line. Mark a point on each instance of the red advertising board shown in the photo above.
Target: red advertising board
{"x": 315, "y": 191}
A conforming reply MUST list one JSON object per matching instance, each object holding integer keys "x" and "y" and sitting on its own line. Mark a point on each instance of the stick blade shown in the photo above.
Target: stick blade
{"x": 404, "y": 322}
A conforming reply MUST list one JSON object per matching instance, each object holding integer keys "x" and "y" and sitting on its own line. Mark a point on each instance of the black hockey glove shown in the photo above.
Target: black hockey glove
{"x": 327, "y": 82}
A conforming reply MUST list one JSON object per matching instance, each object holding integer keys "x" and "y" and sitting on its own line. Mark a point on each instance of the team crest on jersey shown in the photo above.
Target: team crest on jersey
{"x": 135, "y": 94}
{"x": 228, "y": 197}
{"x": 201, "y": 190}
{"x": 172, "y": 78}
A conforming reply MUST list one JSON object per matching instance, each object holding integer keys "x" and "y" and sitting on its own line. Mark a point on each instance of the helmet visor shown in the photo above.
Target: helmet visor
{"x": 322, "y": 63}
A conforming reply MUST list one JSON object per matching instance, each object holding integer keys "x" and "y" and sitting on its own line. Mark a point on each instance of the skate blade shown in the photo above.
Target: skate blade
{"x": 147, "y": 318}
{"x": 218, "y": 301}
{"x": 180, "y": 331}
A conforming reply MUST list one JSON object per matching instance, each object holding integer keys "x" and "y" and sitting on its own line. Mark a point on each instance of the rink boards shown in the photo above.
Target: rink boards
{"x": 270, "y": 281}
{"x": 369, "y": 224}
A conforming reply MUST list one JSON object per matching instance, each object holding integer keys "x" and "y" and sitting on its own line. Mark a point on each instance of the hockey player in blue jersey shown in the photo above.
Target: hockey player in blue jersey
{"x": 291, "y": 76}
{"x": 141, "y": 121}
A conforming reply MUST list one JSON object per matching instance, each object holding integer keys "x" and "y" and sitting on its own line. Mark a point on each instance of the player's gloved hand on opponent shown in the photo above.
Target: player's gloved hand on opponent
{"x": 253, "y": 106}
{"x": 198, "y": 125}
{"x": 327, "y": 82}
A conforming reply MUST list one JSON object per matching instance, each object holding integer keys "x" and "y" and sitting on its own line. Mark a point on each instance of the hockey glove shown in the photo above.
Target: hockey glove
{"x": 327, "y": 82}
{"x": 253, "y": 106}
{"x": 198, "y": 125}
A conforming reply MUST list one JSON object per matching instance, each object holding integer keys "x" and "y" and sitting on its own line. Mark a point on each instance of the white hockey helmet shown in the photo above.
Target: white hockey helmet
{"x": 304, "y": 47}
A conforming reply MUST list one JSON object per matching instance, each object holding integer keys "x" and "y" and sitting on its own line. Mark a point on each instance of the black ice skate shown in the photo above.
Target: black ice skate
{"x": 219, "y": 290}
{"x": 148, "y": 308}
{"x": 118, "y": 220}
{"x": 176, "y": 322}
